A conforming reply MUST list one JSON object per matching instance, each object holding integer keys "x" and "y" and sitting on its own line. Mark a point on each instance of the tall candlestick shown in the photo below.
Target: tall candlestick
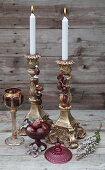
{"x": 32, "y": 32}
{"x": 65, "y": 37}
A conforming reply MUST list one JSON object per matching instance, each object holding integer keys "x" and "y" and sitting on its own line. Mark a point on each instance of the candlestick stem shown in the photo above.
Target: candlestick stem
{"x": 13, "y": 115}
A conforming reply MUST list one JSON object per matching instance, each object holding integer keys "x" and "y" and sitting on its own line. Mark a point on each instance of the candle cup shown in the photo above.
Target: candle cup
{"x": 66, "y": 128}
{"x": 13, "y": 98}
{"x": 36, "y": 109}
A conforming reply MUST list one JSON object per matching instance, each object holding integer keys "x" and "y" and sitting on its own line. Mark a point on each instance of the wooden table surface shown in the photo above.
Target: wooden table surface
{"x": 15, "y": 158}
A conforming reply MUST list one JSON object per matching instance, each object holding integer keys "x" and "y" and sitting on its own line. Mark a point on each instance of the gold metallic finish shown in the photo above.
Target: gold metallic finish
{"x": 15, "y": 143}
{"x": 36, "y": 111}
{"x": 66, "y": 128}
{"x": 14, "y": 140}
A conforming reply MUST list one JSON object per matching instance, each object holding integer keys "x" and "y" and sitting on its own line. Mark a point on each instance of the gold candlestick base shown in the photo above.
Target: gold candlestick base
{"x": 66, "y": 128}
{"x": 36, "y": 109}
{"x": 14, "y": 142}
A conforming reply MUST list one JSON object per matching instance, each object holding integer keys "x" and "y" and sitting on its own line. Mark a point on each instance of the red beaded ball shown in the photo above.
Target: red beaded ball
{"x": 59, "y": 85}
{"x": 37, "y": 71}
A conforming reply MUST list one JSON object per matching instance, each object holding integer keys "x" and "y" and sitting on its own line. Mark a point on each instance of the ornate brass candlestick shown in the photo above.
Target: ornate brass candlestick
{"x": 36, "y": 109}
{"x": 66, "y": 128}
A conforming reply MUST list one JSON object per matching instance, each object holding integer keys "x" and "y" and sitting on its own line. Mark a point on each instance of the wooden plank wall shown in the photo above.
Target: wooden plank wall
{"x": 86, "y": 48}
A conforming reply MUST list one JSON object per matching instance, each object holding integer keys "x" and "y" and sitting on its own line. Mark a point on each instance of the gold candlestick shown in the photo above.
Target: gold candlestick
{"x": 36, "y": 109}
{"x": 66, "y": 128}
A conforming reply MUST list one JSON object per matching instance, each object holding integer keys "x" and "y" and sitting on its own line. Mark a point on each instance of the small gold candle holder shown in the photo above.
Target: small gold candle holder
{"x": 66, "y": 128}
{"x": 36, "y": 109}
{"x": 13, "y": 98}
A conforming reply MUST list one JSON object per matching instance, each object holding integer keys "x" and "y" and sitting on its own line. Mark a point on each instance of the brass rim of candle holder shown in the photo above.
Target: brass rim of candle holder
{"x": 66, "y": 128}
{"x": 36, "y": 111}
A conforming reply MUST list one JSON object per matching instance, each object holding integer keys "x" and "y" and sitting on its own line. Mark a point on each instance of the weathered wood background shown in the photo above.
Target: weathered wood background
{"x": 86, "y": 48}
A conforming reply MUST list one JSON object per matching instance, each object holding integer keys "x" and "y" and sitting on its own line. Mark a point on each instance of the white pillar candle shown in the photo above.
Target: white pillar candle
{"x": 32, "y": 32}
{"x": 65, "y": 37}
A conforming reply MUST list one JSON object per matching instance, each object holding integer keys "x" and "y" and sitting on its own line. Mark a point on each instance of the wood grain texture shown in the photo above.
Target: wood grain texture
{"x": 89, "y": 119}
{"x": 85, "y": 70}
{"x": 85, "y": 96}
{"x": 86, "y": 48}
{"x": 82, "y": 42}
{"x": 10, "y": 16}
{"x": 16, "y": 157}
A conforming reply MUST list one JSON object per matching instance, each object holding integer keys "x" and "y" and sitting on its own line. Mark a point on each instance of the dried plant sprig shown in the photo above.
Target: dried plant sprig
{"x": 89, "y": 145}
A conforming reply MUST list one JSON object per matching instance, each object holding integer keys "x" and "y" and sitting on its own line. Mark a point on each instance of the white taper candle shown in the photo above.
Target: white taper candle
{"x": 65, "y": 37}
{"x": 32, "y": 32}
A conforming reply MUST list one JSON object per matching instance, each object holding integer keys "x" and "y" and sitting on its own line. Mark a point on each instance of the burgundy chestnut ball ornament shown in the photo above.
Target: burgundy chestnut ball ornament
{"x": 37, "y": 124}
{"x": 59, "y": 85}
{"x": 38, "y": 95}
{"x": 60, "y": 76}
{"x": 64, "y": 105}
{"x": 39, "y": 101}
{"x": 58, "y": 154}
{"x": 64, "y": 81}
{"x": 37, "y": 130}
{"x": 65, "y": 98}
{"x": 39, "y": 88}
{"x": 35, "y": 80}
{"x": 65, "y": 89}
{"x": 37, "y": 71}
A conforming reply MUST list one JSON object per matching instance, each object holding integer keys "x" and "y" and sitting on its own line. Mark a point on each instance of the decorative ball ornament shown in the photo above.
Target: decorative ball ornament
{"x": 36, "y": 124}
{"x": 38, "y": 95}
{"x": 59, "y": 85}
{"x": 58, "y": 154}
{"x": 39, "y": 101}
{"x": 64, "y": 81}
{"x": 37, "y": 71}
{"x": 39, "y": 88}
{"x": 64, "y": 105}
{"x": 65, "y": 98}
{"x": 60, "y": 76}
{"x": 35, "y": 80}
{"x": 65, "y": 89}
